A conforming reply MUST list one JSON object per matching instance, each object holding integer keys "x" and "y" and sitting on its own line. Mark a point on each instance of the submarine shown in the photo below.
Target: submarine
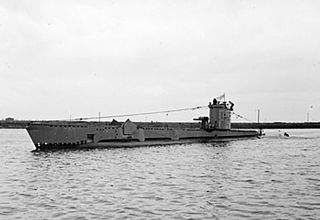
{"x": 91, "y": 134}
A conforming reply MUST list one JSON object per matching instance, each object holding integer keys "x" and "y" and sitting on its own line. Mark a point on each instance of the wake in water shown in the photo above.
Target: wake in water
{"x": 292, "y": 134}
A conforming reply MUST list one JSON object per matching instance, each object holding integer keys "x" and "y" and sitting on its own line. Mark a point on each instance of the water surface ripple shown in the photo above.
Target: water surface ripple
{"x": 269, "y": 178}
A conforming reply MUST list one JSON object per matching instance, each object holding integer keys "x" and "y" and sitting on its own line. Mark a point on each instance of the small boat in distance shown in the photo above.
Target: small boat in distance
{"x": 286, "y": 134}
{"x": 79, "y": 134}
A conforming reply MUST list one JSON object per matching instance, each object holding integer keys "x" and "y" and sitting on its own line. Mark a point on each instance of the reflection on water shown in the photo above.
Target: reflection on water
{"x": 269, "y": 178}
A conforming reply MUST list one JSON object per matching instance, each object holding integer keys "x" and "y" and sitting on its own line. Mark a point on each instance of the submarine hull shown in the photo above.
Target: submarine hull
{"x": 55, "y": 135}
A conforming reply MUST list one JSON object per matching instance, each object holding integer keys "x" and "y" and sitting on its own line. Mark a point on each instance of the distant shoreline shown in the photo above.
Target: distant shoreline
{"x": 14, "y": 124}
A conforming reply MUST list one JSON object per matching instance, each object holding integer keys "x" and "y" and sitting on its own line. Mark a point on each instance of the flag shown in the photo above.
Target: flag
{"x": 223, "y": 96}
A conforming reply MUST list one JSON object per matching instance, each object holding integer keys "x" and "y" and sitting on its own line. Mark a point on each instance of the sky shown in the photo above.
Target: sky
{"x": 76, "y": 58}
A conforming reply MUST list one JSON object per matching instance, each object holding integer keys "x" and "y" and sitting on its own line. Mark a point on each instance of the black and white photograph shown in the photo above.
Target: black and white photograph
{"x": 159, "y": 109}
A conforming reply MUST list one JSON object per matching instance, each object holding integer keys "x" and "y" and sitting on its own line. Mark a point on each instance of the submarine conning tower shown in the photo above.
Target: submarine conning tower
{"x": 220, "y": 114}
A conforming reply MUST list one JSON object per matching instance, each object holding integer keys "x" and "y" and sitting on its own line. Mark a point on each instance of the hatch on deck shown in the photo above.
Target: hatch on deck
{"x": 90, "y": 138}
{"x": 129, "y": 127}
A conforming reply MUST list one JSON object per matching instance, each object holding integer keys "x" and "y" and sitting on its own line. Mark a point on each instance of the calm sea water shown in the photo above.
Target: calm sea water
{"x": 269, "y": 178}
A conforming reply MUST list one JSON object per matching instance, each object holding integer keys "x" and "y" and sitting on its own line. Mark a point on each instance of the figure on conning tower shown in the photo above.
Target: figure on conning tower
{"x": 214, "y": 102}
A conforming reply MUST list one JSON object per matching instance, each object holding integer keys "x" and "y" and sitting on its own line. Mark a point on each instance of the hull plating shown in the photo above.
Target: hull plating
{"x": 53, "y": 135}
